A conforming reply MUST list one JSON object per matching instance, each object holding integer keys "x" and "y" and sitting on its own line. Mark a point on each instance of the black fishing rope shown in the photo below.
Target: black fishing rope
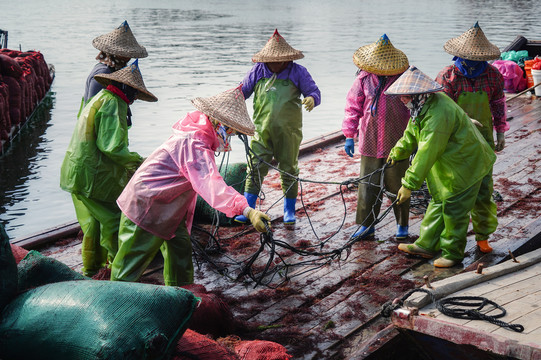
{"x": 459, "y": 307}
{"x": 475, "y": 308}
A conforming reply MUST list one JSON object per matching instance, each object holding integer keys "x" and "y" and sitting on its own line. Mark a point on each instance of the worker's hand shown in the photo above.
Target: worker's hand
{"x": 308, "y": 103}
{"x": 476, "y": 123}
{"x": 500, "y": 141}
{"x": 350, "y": 147}
{"x": 258, "y": 219}
{"x": 403, "y": 195}
{"x": 390, "y": 161}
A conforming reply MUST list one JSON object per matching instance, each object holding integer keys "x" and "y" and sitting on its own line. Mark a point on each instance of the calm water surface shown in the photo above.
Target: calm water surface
{"x": 203, "y": 48}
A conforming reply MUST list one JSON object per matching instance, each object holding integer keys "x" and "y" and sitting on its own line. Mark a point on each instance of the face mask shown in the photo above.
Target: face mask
{"x": 415, "y": 105}
{"x": 224, "y": 136}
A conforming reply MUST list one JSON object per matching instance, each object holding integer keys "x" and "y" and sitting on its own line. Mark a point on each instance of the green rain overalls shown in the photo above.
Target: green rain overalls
{"x": 95, "y": 170}
{"x": 484, "y": 212}
{"x": 278, "y": 123}
{"x": 137, "y": 249}
{"x": 453, "y": 158}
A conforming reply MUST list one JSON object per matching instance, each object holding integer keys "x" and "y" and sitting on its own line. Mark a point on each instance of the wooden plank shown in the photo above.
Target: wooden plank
{"x": 67, "y": 230}
{"x": 458, "y": 334}
{"x": 518, "y": 312}
{"x": 462, "y": 281}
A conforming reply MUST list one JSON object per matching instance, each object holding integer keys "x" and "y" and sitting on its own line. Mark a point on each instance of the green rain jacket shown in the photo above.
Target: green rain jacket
{"x": 98, "y": 164}
{"x": 452, "y": 155}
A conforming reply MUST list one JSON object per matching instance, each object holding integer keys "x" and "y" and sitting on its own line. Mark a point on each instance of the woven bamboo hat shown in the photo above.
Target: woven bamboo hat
{"x": 229, "y": 108}
{"x": 381, "y": 58}
{"x": 472, "y": 45}
{"x": 413, "y": 81}
{"x": 276, "y": 50}
{"x": 120, "y": 42}
{"x": 129, "y": 75}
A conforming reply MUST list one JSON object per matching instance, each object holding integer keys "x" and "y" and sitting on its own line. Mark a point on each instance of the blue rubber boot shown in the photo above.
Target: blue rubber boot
{"x": 252, "y": 198}
{"x": 289, "y": 211}
{"x": 364, "y": 230}
{"x": 402, "y": 232}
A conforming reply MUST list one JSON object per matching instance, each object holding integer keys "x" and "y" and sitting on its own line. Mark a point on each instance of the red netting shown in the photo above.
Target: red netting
{"x": 193, "y": 345}
{"x": 261, "y": 350}
{"x": 18, "y": 252}
{"x": 212, "y": 316}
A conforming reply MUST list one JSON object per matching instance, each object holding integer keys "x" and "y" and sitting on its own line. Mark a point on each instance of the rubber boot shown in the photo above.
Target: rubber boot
{"x": 289, "y": 211}
{"x": 445, "y": 263}
{"x": 252, "y": 198}
{"x": 402, "y": 232}
{"x": 484, "y": 246}
{"x": 415, "y": 250}
{"x": 364, "y": 231}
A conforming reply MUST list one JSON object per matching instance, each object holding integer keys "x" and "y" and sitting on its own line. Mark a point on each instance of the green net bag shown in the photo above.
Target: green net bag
{"x": 235, "y": 176}
{"x": 95, "y": 320}
{"x": 36, "y": 270}
{"x": 8, "y": 270}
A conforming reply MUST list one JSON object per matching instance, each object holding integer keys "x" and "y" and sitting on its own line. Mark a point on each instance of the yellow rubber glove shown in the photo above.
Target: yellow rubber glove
{"x": 500, "y": 141}
{"x": 403, "y": 195}
{"x": 308, "y": 103}
{"x": 258, "y": 219}
{"x": 390, "y": 161}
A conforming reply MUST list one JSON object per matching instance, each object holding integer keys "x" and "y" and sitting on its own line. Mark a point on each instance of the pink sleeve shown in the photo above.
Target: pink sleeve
{"x": 354, "y": 109}
{"x": 499, "y": 115}
{"x": 201, "y": 171}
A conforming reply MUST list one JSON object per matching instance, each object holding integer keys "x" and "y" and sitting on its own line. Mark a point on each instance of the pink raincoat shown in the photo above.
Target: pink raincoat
{"x": 164, "y": 189}
{"x": 377, "y": 135}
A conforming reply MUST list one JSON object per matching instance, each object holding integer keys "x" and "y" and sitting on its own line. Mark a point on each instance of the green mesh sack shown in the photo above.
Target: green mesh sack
{"x": 36, "y": 270}
{"x": 235, "y": 176}
{"x": 8, "y": 270}
{"x": 95, "y": 319}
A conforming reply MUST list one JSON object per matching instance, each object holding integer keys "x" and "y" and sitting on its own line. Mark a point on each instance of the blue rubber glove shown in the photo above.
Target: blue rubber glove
{"x": 350, "y": 147}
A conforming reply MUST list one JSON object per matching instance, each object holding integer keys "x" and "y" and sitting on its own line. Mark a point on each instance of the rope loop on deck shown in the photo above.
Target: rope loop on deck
{"x": 460, "y": 307}
{"x": 471, "y": 307}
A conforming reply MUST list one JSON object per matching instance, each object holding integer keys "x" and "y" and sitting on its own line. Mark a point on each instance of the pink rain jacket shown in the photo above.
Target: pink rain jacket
{"x": 164, "y": 189}
{"x": 377, "y": 135}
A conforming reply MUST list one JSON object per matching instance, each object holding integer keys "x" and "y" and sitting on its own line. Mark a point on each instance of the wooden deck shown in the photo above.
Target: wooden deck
{"x": 330, "y": 312}
{"x": 513, "y": 285}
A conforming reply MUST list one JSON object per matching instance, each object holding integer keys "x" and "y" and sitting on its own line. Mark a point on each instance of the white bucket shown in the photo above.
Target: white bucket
{"x": 536, "y": 75}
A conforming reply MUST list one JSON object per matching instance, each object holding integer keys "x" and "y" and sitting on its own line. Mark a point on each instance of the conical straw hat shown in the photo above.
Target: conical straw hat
{"x": 413, "y": 81}
{"x": 129, "y": 75}
{"x": 277, "y": 50}
{"x": 472, "y": 45}
{"x": 381, "y": 58}
{"x": 120, "y": 42}
{"x": 229, "y": 108}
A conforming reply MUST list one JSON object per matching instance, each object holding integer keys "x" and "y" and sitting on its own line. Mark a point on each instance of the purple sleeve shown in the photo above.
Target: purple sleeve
{"x": 250, "y": 80}
{"x": 304, "y": 82}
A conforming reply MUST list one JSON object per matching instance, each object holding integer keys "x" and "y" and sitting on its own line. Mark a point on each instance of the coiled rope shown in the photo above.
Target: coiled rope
{"x": 460, "y": 307}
